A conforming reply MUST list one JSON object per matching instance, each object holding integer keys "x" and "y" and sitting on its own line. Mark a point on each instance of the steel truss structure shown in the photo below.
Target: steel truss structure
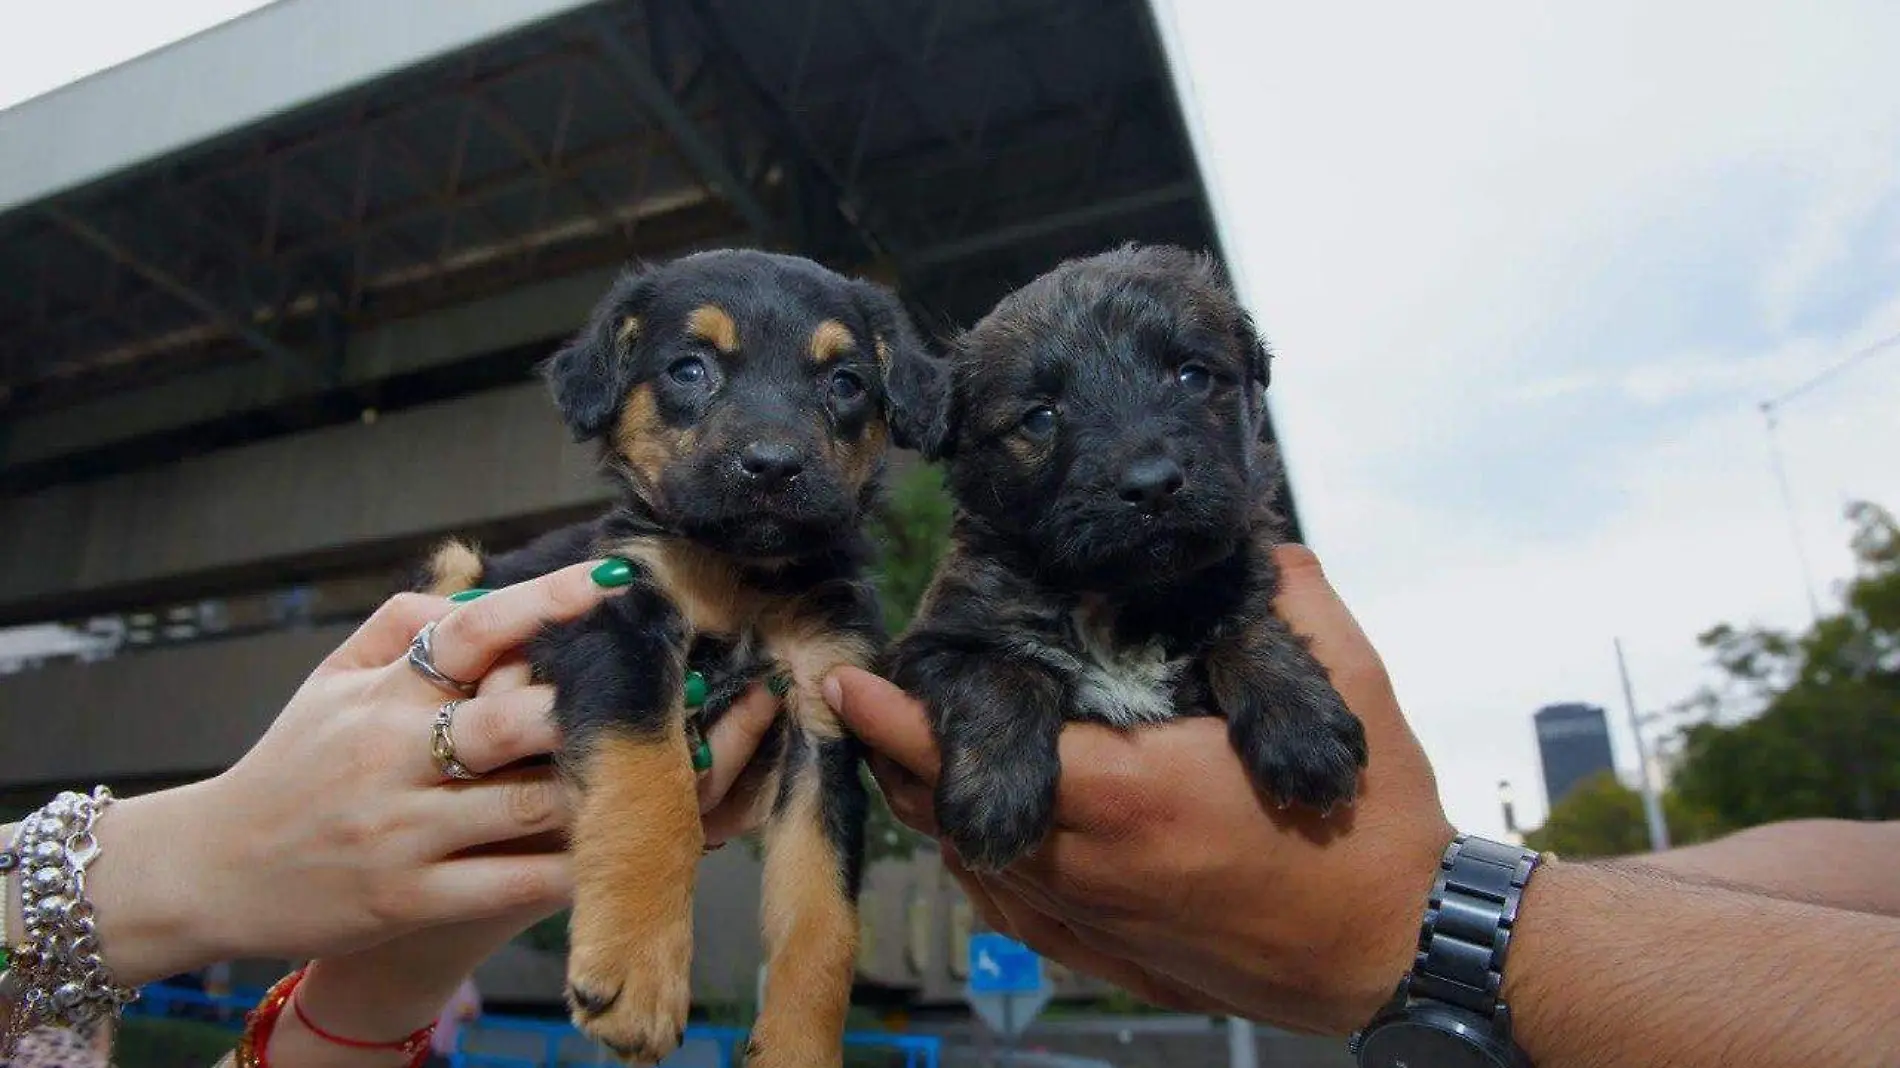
{"x": 955, "y": 148}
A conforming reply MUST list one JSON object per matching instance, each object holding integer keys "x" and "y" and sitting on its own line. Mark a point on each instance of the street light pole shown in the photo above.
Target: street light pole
{"x": 1787, "y": 504}
{"x": 1652, "y": 804}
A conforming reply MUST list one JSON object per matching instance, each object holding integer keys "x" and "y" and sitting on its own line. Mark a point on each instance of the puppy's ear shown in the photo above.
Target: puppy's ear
{"x": 1259, "y": 370}
{"x": 917, "y": 393}
{"x": 588, "y": 376}
{"x": 1259, "y": 356}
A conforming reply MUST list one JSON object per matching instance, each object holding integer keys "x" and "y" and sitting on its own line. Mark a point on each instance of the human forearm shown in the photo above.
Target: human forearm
{"x": 148, "y": 886}
{"x": 1611, "y": 967}
{"x": 1843, "y": 864}
{"x": 390, "y": 990}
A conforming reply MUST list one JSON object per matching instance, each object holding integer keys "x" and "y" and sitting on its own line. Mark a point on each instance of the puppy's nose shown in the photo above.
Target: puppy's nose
{"x": 771, "y": 461}
{"x": 1150, "y": 484}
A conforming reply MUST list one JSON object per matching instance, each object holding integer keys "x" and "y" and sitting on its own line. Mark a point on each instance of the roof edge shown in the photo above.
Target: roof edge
{"x": 231, "y": 76}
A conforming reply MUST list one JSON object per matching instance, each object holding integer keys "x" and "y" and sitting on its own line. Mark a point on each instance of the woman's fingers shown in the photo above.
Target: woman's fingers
{"x": 738, "y": 813}
{"x": 480, "y": 888}
{"x": 497, "y": 808}
{"x": 495, "y": 729}
{"x": 386, "y": 633}
{"x": 476, "y": 634}
{"x": 733, "y": 741}
{"x": 509, "y": 673}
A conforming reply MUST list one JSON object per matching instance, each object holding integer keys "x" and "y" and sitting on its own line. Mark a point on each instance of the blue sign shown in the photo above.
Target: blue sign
{"x": 1001, "y": 965}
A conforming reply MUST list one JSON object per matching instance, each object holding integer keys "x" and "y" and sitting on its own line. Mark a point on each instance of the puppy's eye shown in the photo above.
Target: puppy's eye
{"x": 846, "y": 385}
{"x": 1195, "y": 377}
{"x": 687, "y": 371}
{"x": 1039, "y": 422}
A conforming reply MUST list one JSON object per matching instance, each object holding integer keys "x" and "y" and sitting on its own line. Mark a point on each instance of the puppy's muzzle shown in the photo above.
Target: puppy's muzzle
{"x": 1149, "y": 484}
{"x": 768, "y": 464}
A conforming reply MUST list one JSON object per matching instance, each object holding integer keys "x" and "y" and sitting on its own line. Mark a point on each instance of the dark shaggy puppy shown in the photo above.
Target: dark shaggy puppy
{"x": 740, "y": 404}
{"x": 1104, "y": 433}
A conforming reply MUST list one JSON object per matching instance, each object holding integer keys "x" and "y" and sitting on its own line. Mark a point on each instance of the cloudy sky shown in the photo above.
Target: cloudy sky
{"x": 1529, "y": 269}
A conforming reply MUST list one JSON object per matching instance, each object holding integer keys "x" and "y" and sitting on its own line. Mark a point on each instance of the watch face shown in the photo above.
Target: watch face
{"x": 1429, "y": 1043}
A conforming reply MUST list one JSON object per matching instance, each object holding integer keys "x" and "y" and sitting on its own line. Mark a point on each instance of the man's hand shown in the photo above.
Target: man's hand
{"x": 1168, "y": 874}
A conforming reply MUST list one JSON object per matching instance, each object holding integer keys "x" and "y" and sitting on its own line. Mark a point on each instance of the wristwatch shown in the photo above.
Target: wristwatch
{"x": 1449, "y": 1010}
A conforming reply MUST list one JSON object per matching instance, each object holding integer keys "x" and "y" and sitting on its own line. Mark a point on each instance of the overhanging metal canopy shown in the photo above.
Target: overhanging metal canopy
{"x": 956, "y": 147}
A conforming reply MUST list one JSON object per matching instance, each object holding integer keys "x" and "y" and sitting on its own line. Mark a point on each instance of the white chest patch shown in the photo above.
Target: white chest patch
{"x": 1123, "y": 687}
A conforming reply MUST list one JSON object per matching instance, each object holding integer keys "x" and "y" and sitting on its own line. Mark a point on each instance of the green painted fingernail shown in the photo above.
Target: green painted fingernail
{"x": 614, "y": 571}
{"x": 779, "y": 685}
{"x": 702, "y": 755}
{"x": 467, "y": 595}
{"x": 695, "y": 689}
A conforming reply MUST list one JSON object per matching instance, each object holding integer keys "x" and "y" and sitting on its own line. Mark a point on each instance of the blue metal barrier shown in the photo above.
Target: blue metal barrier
{"x": 159, "y": 999}
{"x": 919, "y": 1051}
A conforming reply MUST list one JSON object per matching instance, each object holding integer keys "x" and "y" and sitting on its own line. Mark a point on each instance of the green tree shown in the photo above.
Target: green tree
{"x": 1807, "y": 724}
{"x": 911, "y": 531}
{"x": 1601, "y": 817}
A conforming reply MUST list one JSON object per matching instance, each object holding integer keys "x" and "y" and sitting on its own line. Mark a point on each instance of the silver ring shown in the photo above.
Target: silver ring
{"x": 421, "y": 656}
{"x": 442, "y": 743}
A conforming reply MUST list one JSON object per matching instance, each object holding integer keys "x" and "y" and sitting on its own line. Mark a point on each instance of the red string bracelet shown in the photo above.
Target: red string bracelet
{"x": 263, "y": 1021}
{"x": 414, "y": 1045}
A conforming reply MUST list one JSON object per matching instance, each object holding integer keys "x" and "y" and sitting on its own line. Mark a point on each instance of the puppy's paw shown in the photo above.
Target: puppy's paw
{"x": 1306, "y": 753}
{"x": 634, "y": 1006}
{"x": 768, "y": 1051}
{"x": 636, "y": 842}
{"x": 994, "y": 816}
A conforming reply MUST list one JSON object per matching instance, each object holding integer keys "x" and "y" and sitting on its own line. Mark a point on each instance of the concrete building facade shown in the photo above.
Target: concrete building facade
{"x": 267, "y": 329}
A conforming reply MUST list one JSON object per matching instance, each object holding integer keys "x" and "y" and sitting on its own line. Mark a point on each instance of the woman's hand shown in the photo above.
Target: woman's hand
{"x": 338, "y": 830}
{"x": 1168, "y": 875}
{"x": 388, "y": 991}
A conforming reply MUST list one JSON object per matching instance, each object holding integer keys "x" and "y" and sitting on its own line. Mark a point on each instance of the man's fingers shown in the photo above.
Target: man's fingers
{"x": 733, "y": 740}
{"x": 1010, "y": 914}
{"x": 885, "y": 718}
{"x": 908, "y": 798}
{"x": 1309, "y": 605}
{"x": 978, "y": 891}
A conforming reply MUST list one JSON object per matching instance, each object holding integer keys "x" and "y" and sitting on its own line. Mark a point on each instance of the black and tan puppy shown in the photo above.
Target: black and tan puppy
{"x": 740, "y": 404}
{"x": 1103, "y": 432}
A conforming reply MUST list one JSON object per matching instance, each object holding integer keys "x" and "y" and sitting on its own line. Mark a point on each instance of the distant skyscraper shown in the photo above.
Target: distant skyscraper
{"x": 1573, "y": 741}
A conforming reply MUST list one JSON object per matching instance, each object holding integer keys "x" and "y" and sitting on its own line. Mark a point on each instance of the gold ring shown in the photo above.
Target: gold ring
{"x": 442, "y": 743}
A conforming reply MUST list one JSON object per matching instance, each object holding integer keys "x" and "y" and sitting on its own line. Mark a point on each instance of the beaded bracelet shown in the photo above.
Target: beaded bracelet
{"x": 58, "y": 972}
{"x": 261, "y": 1023}
{"x": 9, "y": 860}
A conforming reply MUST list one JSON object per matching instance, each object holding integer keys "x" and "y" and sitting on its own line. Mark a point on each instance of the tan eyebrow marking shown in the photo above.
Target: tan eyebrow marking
{"x": 712, "y": 324}
{"x": 831, "y": 340}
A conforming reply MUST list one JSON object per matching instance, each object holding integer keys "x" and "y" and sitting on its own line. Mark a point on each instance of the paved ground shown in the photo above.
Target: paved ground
{"x": 1092, "y": 1042}
{"x": 1154, "y": 1042}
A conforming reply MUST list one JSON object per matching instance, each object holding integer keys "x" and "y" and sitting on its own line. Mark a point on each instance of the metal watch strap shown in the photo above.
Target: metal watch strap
{"x": 1468, "y": 921}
